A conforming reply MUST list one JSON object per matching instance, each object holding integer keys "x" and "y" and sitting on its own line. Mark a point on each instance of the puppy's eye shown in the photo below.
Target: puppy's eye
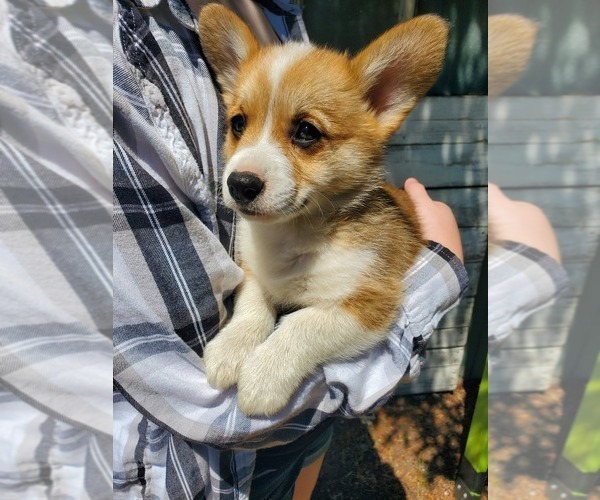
{"x": 306, "y": 134}
{"x": 238, "y": 124}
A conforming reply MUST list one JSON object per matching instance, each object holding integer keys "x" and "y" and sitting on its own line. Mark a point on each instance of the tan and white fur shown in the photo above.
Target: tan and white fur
{"x": 321, "y": 239}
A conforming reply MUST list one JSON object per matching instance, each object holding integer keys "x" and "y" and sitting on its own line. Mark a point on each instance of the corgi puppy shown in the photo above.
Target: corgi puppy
{"x": 321, "y": 239}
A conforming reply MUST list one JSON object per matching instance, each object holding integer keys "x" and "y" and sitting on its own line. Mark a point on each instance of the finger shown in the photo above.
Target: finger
{"x": 442, "y": 206}
{"x": 495, "y": 194}
{"x": 416, "y": 191}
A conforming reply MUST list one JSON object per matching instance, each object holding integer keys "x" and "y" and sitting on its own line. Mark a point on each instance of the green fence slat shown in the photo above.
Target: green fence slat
{"x": 476, "y": 451}
{"x": 582, "y": 448}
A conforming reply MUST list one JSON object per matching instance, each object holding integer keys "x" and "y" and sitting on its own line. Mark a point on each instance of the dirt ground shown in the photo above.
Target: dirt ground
{"x": 411, "y": 447}
{"x": 527, "y": 431}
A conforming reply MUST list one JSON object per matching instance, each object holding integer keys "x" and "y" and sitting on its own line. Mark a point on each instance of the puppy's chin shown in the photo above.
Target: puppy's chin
{"x": 257, "y": 212}
{"x": 268, "y": 217}
{"x": 252, "y": 216}
{"x": 311, "y": 208}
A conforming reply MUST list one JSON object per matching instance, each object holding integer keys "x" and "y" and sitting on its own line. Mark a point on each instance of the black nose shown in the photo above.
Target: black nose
{"x": 244, "y": 186}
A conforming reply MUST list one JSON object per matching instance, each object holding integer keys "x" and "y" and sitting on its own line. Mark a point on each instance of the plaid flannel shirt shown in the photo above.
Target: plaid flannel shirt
{"x": 175, "y": 436}
{"x": 55, "y": 250}
{"x": 521, "y": 281}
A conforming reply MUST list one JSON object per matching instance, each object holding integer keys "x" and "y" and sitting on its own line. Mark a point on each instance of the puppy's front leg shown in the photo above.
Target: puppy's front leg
{"x": 252, "y": 322}
{"x": 304, "y": 340}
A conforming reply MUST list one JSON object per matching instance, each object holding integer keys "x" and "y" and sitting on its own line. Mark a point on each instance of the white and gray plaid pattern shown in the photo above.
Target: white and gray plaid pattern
{"x": 522, "y": 280}
{"x": 55, "y": 251}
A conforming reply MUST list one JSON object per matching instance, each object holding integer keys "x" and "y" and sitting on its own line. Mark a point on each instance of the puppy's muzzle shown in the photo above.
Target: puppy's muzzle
{"x": 244, "y": 187}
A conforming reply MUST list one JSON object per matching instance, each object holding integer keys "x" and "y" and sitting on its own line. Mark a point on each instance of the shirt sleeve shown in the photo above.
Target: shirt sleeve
{"x": 522, "y": 280}
{"x": 55, "y": 235}
{"x": 55, "y": 250}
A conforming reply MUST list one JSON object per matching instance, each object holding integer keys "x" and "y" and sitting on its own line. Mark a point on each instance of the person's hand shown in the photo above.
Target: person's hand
{"x": 520, "y": 222}
{"x": 437, "y": 220}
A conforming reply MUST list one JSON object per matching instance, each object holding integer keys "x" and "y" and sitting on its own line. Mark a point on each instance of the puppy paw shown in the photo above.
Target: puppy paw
{"x": 222, "y": 363}
{"x": 225, "y": 354}
{"x": 266, "y": 383}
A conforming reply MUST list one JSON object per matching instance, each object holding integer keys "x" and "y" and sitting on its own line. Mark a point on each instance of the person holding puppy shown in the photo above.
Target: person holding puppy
{"x": 175, "y": 435}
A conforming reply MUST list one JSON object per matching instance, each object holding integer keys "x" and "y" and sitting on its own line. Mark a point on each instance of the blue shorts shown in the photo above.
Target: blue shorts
{"x": 277, "y": 468}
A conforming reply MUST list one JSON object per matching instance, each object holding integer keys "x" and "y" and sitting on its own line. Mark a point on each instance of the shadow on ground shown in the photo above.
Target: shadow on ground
{"x": 426, "y": 427}
{"x": 353, "y": 469}
{"x": 409, "y": 449}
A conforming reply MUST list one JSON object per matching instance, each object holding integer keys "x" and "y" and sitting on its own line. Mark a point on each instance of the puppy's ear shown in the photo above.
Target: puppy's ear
{"x": 510, "y": 43}
{"x": 226, "y": 42}
{"x": 398, "y": 68}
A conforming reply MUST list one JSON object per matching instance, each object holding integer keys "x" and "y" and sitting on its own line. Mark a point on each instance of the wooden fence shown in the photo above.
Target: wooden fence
{"x": 444, "y": 145}
{"x": 546, "y": 150}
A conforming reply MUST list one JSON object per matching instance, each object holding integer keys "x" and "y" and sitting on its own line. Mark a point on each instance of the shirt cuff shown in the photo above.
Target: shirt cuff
{"x": 522, "y": 280}
{"x": 456, "y": 280}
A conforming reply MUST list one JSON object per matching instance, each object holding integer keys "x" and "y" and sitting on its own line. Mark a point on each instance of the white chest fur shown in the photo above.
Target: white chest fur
{"x": 299, "y": 266}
